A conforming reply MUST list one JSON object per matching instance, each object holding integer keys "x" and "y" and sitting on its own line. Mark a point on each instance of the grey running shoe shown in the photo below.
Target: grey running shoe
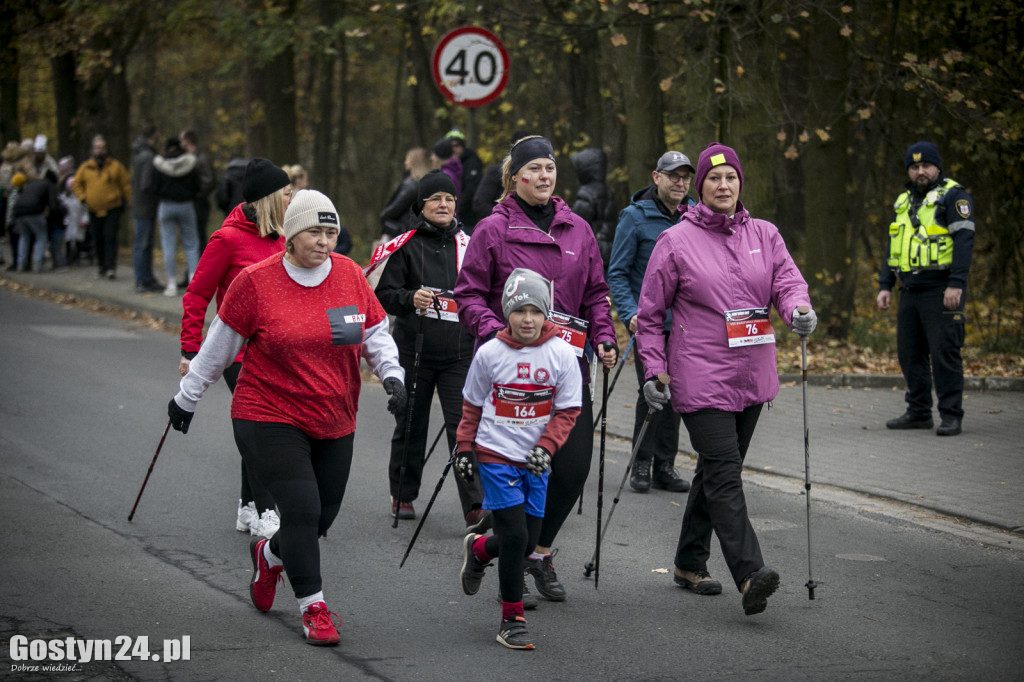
{"x": 513, "y": 634}
{"x": 545, "y": 579}
{"x": 472, "y": 572}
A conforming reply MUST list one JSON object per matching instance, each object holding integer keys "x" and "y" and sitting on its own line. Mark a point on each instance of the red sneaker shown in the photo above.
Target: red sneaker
{"x": 319, "y": 625}
{"x": 265, "y": 577}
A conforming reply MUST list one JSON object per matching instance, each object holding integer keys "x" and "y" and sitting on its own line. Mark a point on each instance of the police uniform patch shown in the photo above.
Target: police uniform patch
{"x": 963, "y": 207}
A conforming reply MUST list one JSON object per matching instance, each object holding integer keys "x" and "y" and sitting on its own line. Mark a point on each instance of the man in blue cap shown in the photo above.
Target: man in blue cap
{"x": 930, "y": 245}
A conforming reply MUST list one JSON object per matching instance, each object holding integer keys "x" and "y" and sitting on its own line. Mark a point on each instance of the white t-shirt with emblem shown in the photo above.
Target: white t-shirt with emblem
{"x": 518, "y": 389}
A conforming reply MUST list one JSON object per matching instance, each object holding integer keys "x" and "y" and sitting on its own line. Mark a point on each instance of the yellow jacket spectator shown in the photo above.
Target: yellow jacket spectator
{"x": 104, "y": 186}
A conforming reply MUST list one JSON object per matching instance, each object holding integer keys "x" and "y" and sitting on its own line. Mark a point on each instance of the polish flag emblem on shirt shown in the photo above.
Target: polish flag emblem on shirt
{"x": 524, "y": 370}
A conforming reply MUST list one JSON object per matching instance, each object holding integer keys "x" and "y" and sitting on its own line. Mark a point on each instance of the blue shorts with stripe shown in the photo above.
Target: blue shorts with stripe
{"x": 506, "y": 486}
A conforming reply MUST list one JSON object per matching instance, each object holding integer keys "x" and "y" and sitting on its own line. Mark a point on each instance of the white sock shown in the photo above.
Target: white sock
{"x": 306, "y": 602}
{"x": 271, "y": 558}
{"x": 534, "y": 556}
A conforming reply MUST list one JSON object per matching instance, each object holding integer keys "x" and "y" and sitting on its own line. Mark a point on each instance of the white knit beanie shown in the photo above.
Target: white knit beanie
{"x": 309, "y": 208}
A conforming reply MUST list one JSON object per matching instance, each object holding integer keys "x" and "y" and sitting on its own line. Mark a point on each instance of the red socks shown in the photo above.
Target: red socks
{"x": 510, "y": 610}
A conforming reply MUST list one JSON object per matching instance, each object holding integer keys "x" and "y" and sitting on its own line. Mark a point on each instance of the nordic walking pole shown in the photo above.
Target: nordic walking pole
{"x": 151, "y": 465}
{"x": 434, "y": 444}
{"x": 618, "y": 371}
{"x": 408, "y": 416}
{"x": 803, "y": 310}
{"x": 588, "y": 568}
{"x": 423, "y": 519}
{"x": 600, "y": 474}
{"x": 622, "y": 361}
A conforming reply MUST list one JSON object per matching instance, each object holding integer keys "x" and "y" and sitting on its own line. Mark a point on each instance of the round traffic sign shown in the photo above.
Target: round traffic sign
{"x": 470, "y": 66}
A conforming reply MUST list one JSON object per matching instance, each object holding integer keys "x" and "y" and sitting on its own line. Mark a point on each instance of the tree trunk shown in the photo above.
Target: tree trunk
{"x": 325, "y": 140}
{"x": 829, "y": 264}
{"x": 9, "y": 71}
{"x": 65, "y": 98}
{"x": 643, "y": 104}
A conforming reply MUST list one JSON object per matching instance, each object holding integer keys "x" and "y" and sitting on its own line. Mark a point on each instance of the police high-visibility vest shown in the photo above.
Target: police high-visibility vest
{"x": 915, "y": 241}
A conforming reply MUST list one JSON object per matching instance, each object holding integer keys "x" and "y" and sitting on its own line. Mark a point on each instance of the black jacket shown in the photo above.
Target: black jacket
{"x": 36, "y": 197}
{"x": 175, "y": 178}
{"x": 427, "y": 259}
{"x": 472, "y": 174}
{"x": 397, "y": 217}
{"x": 594, "y": 202}
{"x": 488, "y": 192}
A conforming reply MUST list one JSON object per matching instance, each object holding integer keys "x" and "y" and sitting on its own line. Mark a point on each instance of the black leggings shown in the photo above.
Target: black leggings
{"x": 252, "y": 490}
{"x": 570, "y": 467}
{"x": 307, "y": 479}
{"x": 515, "y": 536}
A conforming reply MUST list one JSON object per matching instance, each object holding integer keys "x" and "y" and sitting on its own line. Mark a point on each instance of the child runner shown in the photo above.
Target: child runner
{"x": 521, "y": 399}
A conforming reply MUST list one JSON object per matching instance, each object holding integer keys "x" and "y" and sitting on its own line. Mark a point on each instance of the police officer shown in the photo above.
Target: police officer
{"x": 930, "y": 245}
{"x": 651, "y": 211}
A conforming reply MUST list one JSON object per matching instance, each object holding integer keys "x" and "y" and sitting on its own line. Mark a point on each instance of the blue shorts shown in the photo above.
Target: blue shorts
{"x": 506, "y": 486}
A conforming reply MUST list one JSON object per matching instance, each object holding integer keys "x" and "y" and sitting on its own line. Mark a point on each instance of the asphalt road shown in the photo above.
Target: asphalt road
{"x": 82, "y": 407}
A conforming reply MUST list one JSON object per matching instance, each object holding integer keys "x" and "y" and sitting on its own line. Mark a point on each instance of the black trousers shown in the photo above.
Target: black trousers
{"x": 928, "y": 343}
{"x": 104, "y": 233}
{"x": 716, "y": 501}
{"x": 515, "y": 536}
{"x": 252, "y": 490}
{"x": 570, "y": 467}
{"x": 661, "y": 442}
{"x": 448, "y": 378}
{"x": 307, "y": 478}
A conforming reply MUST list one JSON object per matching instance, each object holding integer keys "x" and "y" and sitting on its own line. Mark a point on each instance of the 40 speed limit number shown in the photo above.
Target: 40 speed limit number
{"x": 470, "y": 66}
{"x": 518, "y": 406}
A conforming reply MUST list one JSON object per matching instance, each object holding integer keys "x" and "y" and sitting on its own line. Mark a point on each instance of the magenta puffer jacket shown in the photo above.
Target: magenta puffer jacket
{"x": 567, "y": 255}
{"x": 700, "y": 268}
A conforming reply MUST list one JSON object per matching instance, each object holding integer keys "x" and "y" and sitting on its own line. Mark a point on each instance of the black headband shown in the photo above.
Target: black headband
{"x": 525, "y": 151}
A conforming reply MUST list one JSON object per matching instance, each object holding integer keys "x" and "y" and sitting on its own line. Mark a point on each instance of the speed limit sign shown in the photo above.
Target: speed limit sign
{"x": 470, "y": 66}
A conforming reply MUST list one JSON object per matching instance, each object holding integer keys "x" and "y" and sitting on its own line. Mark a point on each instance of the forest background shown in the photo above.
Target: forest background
{"x": 820, "y": 98}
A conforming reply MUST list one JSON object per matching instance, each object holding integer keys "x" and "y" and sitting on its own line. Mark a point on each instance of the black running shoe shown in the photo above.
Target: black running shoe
{"x": 513, "y": 634}
{"x": 545, "y": 579}
{"x": 756, "y": 589}
{"x": 472, "y": 572}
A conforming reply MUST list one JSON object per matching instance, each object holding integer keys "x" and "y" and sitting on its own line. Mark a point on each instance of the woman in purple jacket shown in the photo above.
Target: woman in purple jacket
{"x": 719, "y": 271}
{"x": 529, "y": 228}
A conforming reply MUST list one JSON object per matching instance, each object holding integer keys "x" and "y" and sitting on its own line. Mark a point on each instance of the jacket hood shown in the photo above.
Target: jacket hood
{"x": 140, "y": 144}
{"x": 176, "y": 167}
{"x": 548, "y": 331}
{"x": 591, "y": 164}
{"x": 236, "y": 218}
{"x": 14, "y": 152}
{"x": 707, "y": 219}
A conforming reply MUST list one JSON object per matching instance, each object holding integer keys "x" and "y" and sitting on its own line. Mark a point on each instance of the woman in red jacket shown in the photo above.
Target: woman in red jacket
{"x": 249, "y": 234}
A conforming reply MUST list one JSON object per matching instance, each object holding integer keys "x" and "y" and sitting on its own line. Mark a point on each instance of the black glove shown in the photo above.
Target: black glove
{"x": 464, "y": 465}
{"x": 538, "y": 460}
{"x": 608, "y": 347}
{"x": 180, "y": 419}
{"x": 396, "y": 389}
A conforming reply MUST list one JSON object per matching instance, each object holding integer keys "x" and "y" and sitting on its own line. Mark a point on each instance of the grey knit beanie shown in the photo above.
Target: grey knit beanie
{"x": 525, "y": 287}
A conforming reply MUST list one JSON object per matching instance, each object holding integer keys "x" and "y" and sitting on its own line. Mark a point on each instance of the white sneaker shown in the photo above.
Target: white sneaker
{"x": 246, "y": 517}
{"x": 171, "y": 289}
{"x": 266, "y": 525}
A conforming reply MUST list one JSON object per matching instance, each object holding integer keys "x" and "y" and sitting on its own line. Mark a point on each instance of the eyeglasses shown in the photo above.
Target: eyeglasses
{"x": 439, "y": 199}
{"x": 675, "y": 178}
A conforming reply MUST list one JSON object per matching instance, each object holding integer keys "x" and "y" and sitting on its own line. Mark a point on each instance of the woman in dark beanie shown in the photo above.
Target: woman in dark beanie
{"x": 251, "y": 232}
{"x": 719, "y": 271}
{"x": 308, "y": 318}
{"x": 530, "y": 228}
{"x": 415, "y": 276}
